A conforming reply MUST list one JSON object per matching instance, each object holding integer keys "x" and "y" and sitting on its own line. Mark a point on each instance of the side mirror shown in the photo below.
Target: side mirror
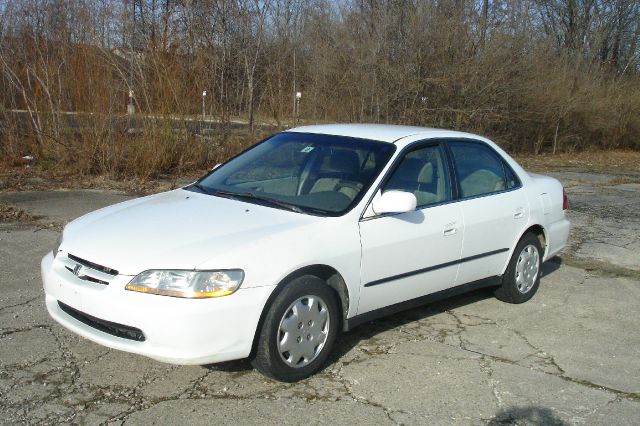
{"x": 394, "y": 202}
{"x": 216, "y": 166}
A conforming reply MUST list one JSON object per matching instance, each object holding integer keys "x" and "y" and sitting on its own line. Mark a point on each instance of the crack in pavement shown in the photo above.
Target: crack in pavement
{"x": 63, "y": 376}
{"x": 485, "y": 367}
{"x": 33, "y": 299}
{"x": 8, "y": 332}
{"x": 464, "y": 345}
{"x": 363, "y": 400}
{"x": 628, "y": 395}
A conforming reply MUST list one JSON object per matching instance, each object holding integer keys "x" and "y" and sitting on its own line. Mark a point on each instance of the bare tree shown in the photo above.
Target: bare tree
{"x": 534, "y": 74}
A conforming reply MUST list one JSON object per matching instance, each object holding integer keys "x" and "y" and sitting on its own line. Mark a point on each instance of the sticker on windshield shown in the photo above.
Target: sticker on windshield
{"x": 307, "y": 149}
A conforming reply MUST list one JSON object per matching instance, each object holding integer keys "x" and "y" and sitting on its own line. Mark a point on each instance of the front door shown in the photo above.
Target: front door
{"x": 408, "y": 255}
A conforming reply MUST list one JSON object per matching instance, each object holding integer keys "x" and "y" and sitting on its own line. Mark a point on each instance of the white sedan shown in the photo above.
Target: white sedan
{"x": 307, "y": 234}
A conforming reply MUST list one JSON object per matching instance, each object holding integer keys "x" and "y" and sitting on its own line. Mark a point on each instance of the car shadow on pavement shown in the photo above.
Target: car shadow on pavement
{"x": 347, "y": 341}
{"x": 529, "y": 415}
{"x": 551, "y": 265}
{"x": 237, "y": 366}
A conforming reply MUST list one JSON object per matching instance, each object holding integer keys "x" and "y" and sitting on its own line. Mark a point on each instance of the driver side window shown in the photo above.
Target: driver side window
{"x": 424, "y": 173}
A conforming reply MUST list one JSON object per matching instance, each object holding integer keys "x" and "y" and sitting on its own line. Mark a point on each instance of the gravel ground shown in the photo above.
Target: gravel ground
{"x": 569, "y": 356}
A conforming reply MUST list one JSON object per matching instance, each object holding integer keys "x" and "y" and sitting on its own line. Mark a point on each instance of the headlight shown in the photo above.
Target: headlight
{"x": 56, "y": 248}
{"x": 188, "y": 284}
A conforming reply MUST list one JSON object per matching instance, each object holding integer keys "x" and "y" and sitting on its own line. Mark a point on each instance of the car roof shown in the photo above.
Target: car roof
{"x": 381, "y": 132}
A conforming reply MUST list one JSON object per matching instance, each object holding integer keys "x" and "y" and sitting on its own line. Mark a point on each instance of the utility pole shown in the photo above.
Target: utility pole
{"x": 295, "y": 99}
{"x": 131, "y": 108}
{"x": 204, "y": 95}
{"x": 297, "y": 105}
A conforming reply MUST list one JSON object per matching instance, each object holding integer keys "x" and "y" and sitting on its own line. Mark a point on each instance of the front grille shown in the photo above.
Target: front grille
{"x": 92, "y": 265}
{"x": 118, "y": 330}
{"x": 88, "y": 278}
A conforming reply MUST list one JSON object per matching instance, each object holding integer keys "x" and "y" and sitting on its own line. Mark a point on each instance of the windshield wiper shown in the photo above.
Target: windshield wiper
{"x": 252, "y": 196}
{"x": 201, "y": 188}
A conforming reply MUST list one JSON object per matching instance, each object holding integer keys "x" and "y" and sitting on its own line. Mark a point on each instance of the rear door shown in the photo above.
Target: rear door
{"x": 494, "y": 207}
{"x": 412, "y": 254}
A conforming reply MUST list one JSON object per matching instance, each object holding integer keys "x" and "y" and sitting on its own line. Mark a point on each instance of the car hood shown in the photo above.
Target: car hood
{"x": 174, "y": 230}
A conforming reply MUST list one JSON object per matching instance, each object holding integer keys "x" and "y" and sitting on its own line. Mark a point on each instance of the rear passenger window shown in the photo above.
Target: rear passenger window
{"x": 512, "y": 180}
{"x": 479, "y": 169}
{"x": 424, "y": 173}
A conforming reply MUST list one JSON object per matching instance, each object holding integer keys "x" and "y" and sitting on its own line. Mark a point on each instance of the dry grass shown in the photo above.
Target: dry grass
{"x": 22, "y": 178}
{"x": 119, "y": 156}
{"x": 16, "y": 215}
{"x": 603, "y": 161}
{"x": 13, "y": 214}
{"x": 426, "y": 63}
{"x": 139, "y": 163}
{"x": 14, "y": 179}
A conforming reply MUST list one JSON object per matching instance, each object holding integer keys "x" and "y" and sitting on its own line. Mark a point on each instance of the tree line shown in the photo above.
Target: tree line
{"x": 535, "y": 75}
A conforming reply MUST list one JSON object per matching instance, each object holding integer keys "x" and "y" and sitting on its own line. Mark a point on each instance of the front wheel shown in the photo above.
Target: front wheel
{"x": 298, "y": 331}
{"x": 522, "y": 277}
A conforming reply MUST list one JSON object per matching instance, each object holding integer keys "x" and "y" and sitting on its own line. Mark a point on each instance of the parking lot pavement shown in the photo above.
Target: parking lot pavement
{"x": 569, "y": 356}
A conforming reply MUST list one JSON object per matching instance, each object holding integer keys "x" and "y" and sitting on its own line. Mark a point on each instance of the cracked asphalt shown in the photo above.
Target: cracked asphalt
{"x": 569, "y": 356}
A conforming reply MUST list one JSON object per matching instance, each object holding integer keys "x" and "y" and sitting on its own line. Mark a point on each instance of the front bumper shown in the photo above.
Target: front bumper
{"x": 179, "y": 331}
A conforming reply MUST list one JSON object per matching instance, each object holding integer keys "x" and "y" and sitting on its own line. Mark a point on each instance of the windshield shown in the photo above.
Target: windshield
{"x": 317, "y": 174}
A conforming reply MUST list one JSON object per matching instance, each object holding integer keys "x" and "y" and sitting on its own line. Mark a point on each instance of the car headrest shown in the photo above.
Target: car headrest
{"x": 426, "y": 173}
{"x": 344, "y": 161}
{"x": 409, "y": 169}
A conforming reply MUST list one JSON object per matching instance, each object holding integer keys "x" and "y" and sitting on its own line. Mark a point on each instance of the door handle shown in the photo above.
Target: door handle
{"x": 450, "y": 229}
{"x": 519, "y": 213}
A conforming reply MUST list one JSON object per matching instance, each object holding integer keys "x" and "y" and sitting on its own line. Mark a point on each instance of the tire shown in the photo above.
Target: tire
{"x": 298, "y": 331}
{"x": 522, "y": 277}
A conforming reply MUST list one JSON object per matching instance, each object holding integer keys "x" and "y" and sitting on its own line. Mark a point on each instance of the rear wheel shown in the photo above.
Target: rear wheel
{"x": 522, "y": 277}
{"x": 298, "y": 331}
